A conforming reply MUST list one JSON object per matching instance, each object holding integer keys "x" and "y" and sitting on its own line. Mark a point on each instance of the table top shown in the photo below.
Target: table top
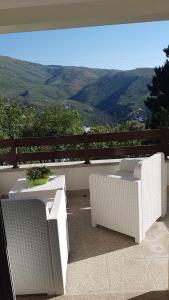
{"x": 23, "y": 186}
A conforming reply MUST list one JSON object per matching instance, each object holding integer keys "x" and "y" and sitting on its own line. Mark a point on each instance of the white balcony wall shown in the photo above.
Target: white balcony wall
{"x": 77, "y": 174}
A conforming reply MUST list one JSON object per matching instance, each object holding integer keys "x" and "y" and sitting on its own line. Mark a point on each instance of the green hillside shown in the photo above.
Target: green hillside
{"x": 102, "y": 96}
{"x": 118, "y": 94}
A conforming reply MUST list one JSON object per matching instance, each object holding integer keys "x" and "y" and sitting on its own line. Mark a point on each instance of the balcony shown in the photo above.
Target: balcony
{"x": 117, "y": 268}
{"x": 103, "y": 264}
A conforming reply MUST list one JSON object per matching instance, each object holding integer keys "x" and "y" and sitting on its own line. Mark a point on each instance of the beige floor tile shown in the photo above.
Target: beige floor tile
{"x": 158, "y": 229}
{"x": 127, "y": 269}
{"x": 162, "y": 224}
{"x": 71, "y": 297}
{"x": 156, "y": 243}
{"x": 159, "y": 271}
{"x": 90, "y": 297}
{"x": 106, "y": 297}
{"x": 87, "y": 276}
{"x": 126, "y": 274}
{"x": 133, "y": 251}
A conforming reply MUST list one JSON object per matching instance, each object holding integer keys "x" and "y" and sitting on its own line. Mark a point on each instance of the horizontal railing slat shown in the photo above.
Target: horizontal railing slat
{"x": 159, "y": 136}
{"x": 120, "y": 151}
{"x": 124, "y": 136}
{"x": 6, "y": 143}
{"x": 48, "y": 141}
{"x": 48, "y": 155}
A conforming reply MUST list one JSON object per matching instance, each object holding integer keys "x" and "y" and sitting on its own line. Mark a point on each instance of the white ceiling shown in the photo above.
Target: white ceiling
{"x": 29, "y": 15}
{"x": 29, "y": 3}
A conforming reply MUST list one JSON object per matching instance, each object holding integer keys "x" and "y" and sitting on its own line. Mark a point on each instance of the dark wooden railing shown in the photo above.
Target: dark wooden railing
{"x": 152, "y": 141}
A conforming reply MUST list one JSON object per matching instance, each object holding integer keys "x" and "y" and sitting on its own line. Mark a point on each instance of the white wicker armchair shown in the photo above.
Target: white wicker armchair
{"x": 38, "y": 245}
{"x": 132, "y": 199}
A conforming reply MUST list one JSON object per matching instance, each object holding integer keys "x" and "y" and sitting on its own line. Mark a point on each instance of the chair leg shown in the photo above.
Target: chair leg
{"x": 139, "y": 239}
{"x": 164, "y": 212}
{"x": 93, "y": 223}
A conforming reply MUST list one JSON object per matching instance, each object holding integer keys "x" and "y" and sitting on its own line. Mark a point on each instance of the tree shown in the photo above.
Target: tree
{"x": 2, "y": 118}
{"x": 58, "y": 120}
{"x": 158, "y": 99}
{"x": 13, "y": 120}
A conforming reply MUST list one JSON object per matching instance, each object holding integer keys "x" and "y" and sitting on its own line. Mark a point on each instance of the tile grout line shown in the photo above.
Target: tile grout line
{"x": 148, "y": 271}
{"x": 146, "y": 259}
{"x": 107, "y": 273}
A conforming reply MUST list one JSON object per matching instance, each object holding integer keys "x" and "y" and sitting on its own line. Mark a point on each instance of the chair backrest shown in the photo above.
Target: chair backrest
{"x": 28, "y": 246}
{"x": 128, "y": 164}
{"x": 152, "y": 172}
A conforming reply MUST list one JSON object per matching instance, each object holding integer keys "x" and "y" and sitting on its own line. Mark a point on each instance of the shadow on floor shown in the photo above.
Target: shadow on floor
{"x": 87, "y": 241}
{"x": 154, "y": 295}
{"x": 28, "y": 297}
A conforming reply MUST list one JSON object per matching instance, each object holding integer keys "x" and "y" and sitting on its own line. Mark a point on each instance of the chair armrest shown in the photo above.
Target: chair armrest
{"x": 56, "y": 207}
{"x": 119, "y": 175}
{"x": 59, "y": 240}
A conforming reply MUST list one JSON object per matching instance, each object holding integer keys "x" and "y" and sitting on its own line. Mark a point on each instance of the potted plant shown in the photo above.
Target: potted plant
{"x": 38, "y": 175}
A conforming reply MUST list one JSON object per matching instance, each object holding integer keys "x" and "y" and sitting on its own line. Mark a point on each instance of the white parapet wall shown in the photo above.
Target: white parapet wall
{"x": 77, "y": 173}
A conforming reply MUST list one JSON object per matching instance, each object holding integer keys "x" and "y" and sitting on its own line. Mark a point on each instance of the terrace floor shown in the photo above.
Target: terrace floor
{"x": 106, "y": 265}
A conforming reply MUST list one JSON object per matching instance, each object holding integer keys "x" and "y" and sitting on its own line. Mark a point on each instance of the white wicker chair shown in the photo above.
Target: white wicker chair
{"x": 37, "y": 242}
{"x": 132, "y": 199}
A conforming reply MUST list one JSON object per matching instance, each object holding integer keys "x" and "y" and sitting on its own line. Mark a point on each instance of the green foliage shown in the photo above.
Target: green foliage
{"x": 125, "y": 126}
{"x": 130, "y": 125}
{"x": 38, "y": 173}
{"x": 159, "y": 120}
{"x": 158, "y": 99}
{"x": 14, "y": 120}
{"x": 58, "y": 121}
{"x": 22, "y": 121}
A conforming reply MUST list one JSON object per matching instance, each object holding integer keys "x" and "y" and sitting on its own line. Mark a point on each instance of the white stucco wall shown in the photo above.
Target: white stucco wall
{"x": 77, "y": 174}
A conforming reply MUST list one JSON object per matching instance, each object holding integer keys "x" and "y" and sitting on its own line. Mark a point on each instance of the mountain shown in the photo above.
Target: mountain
{"x": 101, "y": 95}
{"x": 43, "y": 83}
{"x": 118, "y": 94}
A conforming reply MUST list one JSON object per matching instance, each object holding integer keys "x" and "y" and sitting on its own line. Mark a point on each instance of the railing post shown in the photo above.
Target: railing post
{"x": 164, "y": 141}
{"x": 86, "y": 154}
{"x": 14, "y": 154}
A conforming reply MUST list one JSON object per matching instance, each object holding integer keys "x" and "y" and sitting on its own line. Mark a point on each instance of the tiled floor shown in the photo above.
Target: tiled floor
{"x": 104, "y": 264}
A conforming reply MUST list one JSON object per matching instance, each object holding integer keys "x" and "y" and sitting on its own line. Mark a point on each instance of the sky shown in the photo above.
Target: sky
{"x": 121, "y": 47}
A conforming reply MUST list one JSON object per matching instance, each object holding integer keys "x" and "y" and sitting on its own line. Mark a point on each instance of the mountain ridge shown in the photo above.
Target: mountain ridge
{"x": 114, "y": 94}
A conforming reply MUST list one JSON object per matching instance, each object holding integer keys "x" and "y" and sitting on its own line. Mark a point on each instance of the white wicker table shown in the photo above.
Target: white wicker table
{"x": 23, "y": 189}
